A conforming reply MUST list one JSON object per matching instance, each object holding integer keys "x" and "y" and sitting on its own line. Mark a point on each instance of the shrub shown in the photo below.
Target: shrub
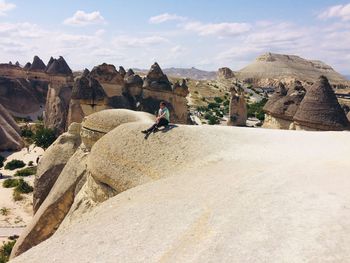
{"x": 213, "y": 120}
{"x": 213, "y": 105}
{"x": 14, "y": 164}
{"x": 226, "y": 103}
{"x": 207, "y": 115}
{"x": 26, "y": 171}
{"x": 17, "y": 196}
{"x": 256, "y": 109}
{"x": 4, "y": 211}
{"x": 5, "y": 251}
{"x": 2, "y": 160}
{"x": 218, "y": 100}
{"x": 44, "y": 137}
{"x": 9, "y": 183}
{"x": 27, "y": 133}
{"x": 23, "y": 187}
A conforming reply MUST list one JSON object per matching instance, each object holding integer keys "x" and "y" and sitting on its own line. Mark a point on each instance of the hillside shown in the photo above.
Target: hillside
{"x": 208, "y": 194}
{"x": 191, "y": 73}
{"x": 270, "y": 68}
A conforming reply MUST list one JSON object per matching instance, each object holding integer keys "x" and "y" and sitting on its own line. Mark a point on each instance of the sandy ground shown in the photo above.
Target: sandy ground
{"x": 20, "y": 212}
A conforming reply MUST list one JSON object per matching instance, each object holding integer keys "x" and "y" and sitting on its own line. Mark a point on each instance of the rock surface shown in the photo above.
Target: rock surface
{"x": 10, "y": 133}
{"x": 192, "y": 195}
{"x": 53, "y": 162}
{"x": 320, "y": 109}
{"x": 225, "y": 73}
{"x": 238, "y": 113}
{"x": 37, "y": 64}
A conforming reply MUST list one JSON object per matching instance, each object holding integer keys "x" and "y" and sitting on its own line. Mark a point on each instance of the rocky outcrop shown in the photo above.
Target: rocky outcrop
{"x": 127, "y": 90}
{"x": 27, "y": 66}
{"x": 282, "y": 106}
{"x": 53, "y": 162}
{"x": 10, "y": 138}
{"x": 58, "y": 67}
{"x": 23, "y": 97}
{"x": 37, "y": 65}
{"x": 238, "y": 113}
{"x": 61, "y": 195}
{"x": 57, "y": 106}
{"x": 320, "y": 109}
{"x": 185, "y": 200}
{"x": 314, "y": 108}
{"x": 270, "y": 69}
{"x": 225, "y": 73}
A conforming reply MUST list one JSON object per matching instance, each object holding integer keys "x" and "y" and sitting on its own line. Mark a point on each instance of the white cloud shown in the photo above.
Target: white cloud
{"x": 219, "y": 29}
{"x": 337, "y": 11}
{"x": 165, "y": 18}
{"x": 125, "y": 41}
{"x": 5, "y": 7}
{"x": 80, "y": 18}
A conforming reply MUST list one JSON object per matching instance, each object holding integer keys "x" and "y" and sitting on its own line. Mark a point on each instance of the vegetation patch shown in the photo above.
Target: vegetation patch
{"x": 14, "y": 164}
{"x": 23, "y": 187}
{"x": 26, "y": 171}
{"x": 5, "y": 251}
{"x": 10, "y": 183}
{"x": 44, "y": 137}
{"x": 256, "y": 109}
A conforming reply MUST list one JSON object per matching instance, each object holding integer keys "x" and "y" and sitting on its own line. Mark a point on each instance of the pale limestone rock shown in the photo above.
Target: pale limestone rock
{"x": 53, "y": 162}
{"x": 221, "y": 195}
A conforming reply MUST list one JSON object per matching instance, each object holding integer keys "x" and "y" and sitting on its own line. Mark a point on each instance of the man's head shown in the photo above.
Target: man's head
{"x": 162, "y": 105}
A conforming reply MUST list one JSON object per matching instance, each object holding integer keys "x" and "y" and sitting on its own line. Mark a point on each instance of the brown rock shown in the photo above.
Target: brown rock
{"x": 10, "y": 138}
{"x": 59, "y": 66}
{"x": 37, "y": 65}
{"x": 320, "y": 109}
{"x": 225, "y": 73}
{"x": 238, "y": 108}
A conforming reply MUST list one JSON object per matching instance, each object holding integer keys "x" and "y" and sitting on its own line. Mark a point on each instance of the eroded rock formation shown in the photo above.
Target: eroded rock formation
{"x": 184, "y": 201}
{"x": 313, "y": 108}
{"x": 10, "y": 133}
{"x": 109, "y": 88}
{"x": 320, "y": 109}
{"x": 225, "y": 73}
{"x": 238, "y": 113}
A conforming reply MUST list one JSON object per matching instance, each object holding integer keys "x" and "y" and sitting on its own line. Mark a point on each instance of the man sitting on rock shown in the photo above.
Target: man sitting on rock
{"x": 162, "y": 119}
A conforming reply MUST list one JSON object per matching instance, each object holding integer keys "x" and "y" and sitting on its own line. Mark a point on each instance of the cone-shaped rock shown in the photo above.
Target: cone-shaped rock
{"x": 27, "y": 65}
{"x": 59, "y": 66}
{"x": 122, "y": 71}
{"x": 156, "y": 79}
{"x": 37, "y": 64}
{"x": 285, "y": 104}
{"x": 88, "y": 89}
{"x": 49, "y": 63}
{"x": 320, "y": 109}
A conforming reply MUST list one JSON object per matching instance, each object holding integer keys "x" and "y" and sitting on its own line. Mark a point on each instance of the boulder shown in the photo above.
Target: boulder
{"x": 37, "y": 65}
{"x": 238, "y": 113}
{"x": 192, "y": 195}
{"x": 53, "y": 162}
{"x": 320, "y": 109}
{"x": 10, "y": 133}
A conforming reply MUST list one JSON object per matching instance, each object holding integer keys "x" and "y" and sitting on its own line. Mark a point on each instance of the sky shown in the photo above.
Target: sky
{"x": 204, "y": 34}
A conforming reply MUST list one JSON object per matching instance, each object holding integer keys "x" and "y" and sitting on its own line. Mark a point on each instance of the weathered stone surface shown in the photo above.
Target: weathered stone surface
{"x": 212, "y": 204}
{"x": 320, "y": 109}
{"x": 57, "y": 106}
{"x": 10, "y": 138}
{"x": 225, "y": 73}
{"x": 56, "y": 205}
{"x": 98, "y": 124}
{"x": 238, "y": 113}
{"x": 59, "y": 66}
{"x": 37, "y": 64}
{"x": 156, "y": 79}
{"x": 53, "y": 162}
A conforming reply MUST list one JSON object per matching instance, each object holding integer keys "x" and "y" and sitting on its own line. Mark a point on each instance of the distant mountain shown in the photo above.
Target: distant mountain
{"x": 191, "y": 73}
{"x": 271, "y": 68}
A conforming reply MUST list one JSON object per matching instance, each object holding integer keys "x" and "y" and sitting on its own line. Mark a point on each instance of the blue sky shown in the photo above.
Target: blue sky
{"x": 181, "y": 33}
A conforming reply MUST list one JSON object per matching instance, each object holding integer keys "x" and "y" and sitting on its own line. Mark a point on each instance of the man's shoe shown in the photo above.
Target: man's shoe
{"x": 145, "y": 131}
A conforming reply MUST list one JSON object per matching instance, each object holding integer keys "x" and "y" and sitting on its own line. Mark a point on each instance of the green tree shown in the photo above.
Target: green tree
{"x": 44, "y": 137}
